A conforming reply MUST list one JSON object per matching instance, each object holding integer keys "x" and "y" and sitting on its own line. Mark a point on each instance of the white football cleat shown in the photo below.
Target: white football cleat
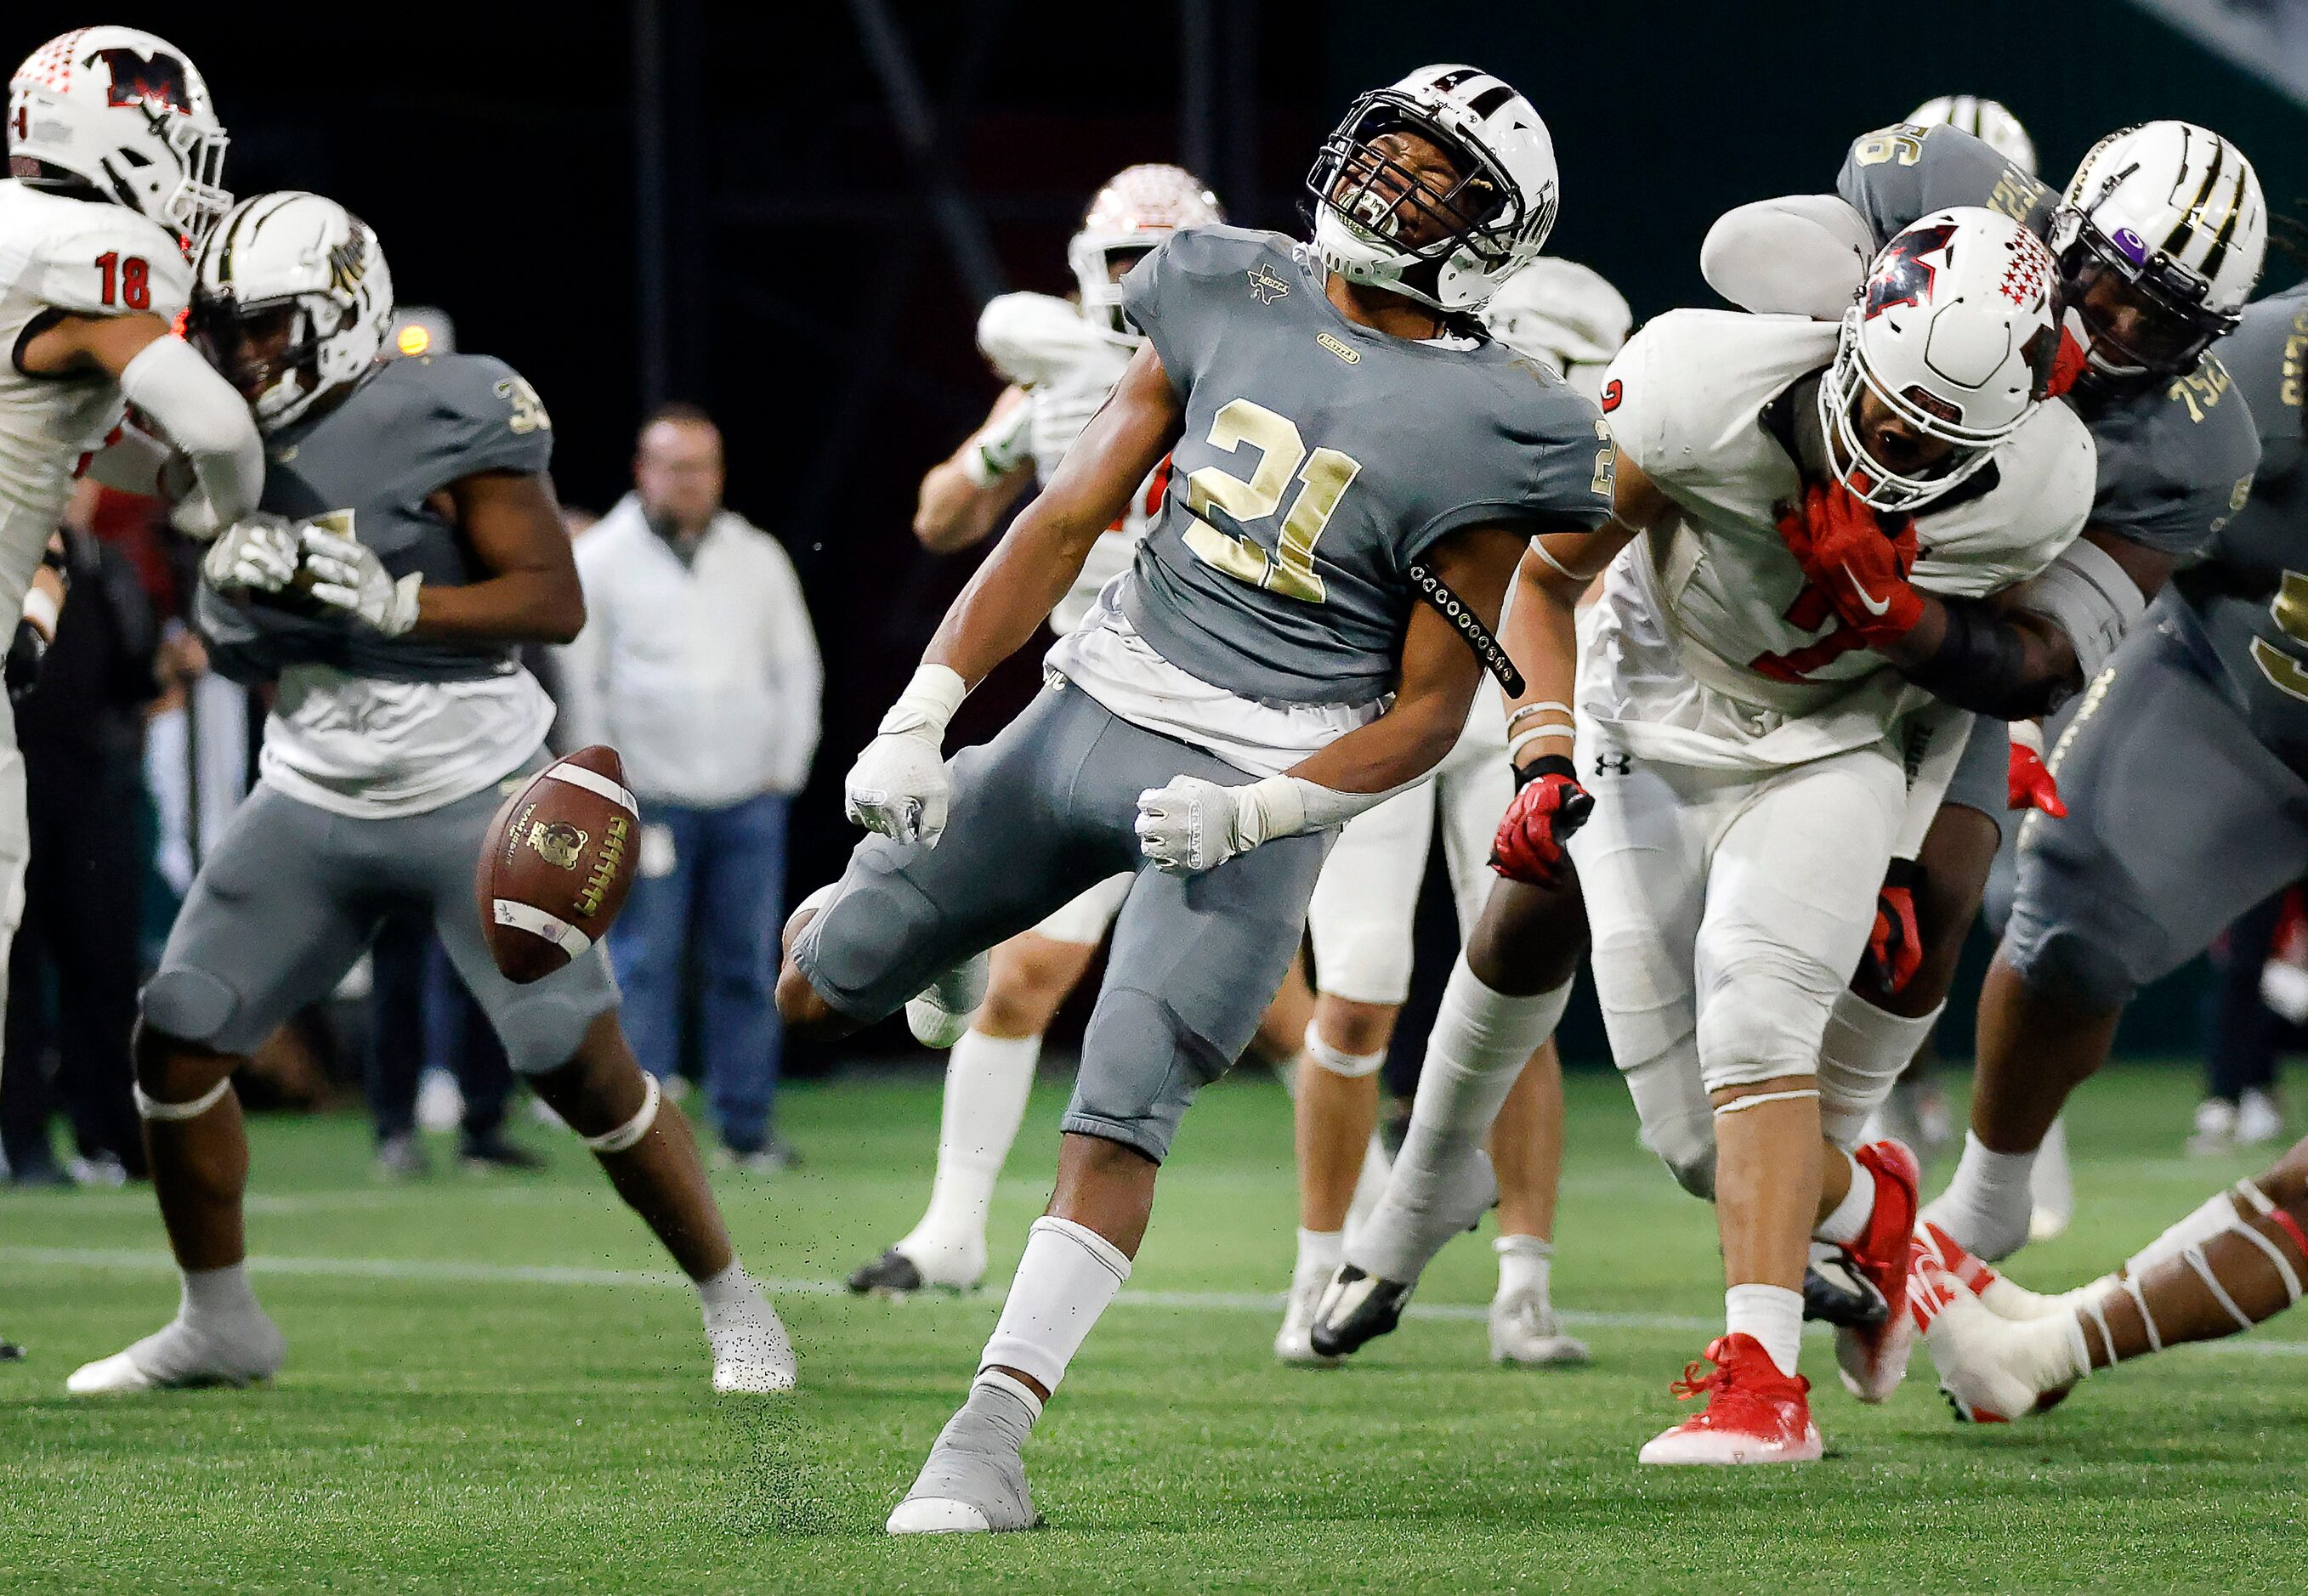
{"x": 178, "y": 1356}
{"x": 974, "y": 1481}
{"x": 942, "y": 1011}
{"x": 1991, "y": 1367}
{"x": 1293, "y": 1343}
{"x": 752, "y": 1355}
{"x": 1524, "y": 1333}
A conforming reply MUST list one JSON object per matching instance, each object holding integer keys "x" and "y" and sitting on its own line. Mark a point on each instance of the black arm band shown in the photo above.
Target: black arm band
{"x": 1982, "y": 665}
{"x": 1452, "y": 608}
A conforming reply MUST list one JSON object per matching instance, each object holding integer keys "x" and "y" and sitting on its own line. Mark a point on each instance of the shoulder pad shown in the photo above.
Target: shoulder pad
{"x": 113, "y": 259}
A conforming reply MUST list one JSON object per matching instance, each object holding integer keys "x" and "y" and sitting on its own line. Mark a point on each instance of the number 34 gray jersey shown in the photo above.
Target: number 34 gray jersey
{"x": 2172, "y": 461}
{"x": 1319, "y": 459}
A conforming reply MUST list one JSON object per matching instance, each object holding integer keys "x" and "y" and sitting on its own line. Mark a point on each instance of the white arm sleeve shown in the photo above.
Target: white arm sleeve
{"x": 1801, "y": 254}
{"x": 132, "y": 463}
{"x": 2091, "y": 597}
{"x": 201, "y": 415}
{"x": 1290, "y": 805}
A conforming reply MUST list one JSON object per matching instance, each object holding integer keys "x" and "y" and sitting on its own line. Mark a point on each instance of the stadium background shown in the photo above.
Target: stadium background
{"x": 789, "y": 213}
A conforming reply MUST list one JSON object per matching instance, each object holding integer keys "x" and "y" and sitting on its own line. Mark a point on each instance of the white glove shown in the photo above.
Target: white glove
{"x": 348, "y": 575}
{"x": 257, "y": 553}
{"x": 1193, "y": 825}
{"x": 899, "y": 786}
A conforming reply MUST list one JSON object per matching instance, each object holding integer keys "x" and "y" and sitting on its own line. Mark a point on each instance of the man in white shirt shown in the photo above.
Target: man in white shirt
{"x": 698, "y": 664}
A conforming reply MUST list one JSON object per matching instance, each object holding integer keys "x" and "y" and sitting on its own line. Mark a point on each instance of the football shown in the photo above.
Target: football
{"x": 558, "y": 860}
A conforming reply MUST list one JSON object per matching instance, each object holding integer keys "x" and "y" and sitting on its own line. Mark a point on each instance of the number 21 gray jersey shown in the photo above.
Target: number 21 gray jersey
{"x": 1319, "y": 459}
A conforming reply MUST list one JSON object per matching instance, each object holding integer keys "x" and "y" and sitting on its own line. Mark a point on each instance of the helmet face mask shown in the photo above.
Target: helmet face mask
{"x": 2169, "y": 328}
{"x": 268, "y": 350}
{"x": 1437, "y": 188}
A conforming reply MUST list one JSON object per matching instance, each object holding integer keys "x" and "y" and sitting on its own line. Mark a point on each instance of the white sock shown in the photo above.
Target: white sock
{"x": 1772, "y": 1315}
{"x": 2217, "y": 1213}
{"x": 216, "y": 1294}
{"x": 1844, "y": 1225}
{"x": 732, "y": 1288}
{"x": 1318, "y": 1255}
{"x": 1861, "y": 1057}
{"x": 1477, "y": 1049}
{"x": 1069, "y": 1275}
{"x": 1525, "y": 1264}
{"x": 1986, "y": 1205}
{"x": 987, "y": 1079}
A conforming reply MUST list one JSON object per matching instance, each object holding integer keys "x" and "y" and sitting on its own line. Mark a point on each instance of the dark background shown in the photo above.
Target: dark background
{"x": 823, "y": 211}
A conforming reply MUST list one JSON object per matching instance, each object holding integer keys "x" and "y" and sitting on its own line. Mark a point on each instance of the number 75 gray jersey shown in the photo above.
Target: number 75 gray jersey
{"x": 1319, "y": 459}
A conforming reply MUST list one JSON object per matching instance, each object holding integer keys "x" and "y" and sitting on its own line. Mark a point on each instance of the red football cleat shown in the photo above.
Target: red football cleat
{"x": 1874, "y": 1360}
{"x": 1975, "y": 1274}
{"x": 1755, "y": 1414}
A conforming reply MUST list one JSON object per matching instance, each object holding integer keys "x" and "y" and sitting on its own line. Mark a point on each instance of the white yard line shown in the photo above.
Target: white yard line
{"x": 146, "y": 1261}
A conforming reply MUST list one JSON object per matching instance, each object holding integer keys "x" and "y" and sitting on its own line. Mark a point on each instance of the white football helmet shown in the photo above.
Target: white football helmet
{"x": 125, "y": 113}
{"x": 1375, "y": 223}
{"x": 1138, "y": 208}
{"x": 2174, "y": 213}
{"x": 1987, "y": 120}
{"x": 1564, "y": 314}
{"x": 307, "y": 255}
{"x": 1956, "y": 333}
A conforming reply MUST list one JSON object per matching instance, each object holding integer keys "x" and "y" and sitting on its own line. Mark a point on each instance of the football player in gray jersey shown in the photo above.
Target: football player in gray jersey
{"x": 1345, "y": 441}
{"x": 409, "y": 539}
{"x": 2160, "y": 236}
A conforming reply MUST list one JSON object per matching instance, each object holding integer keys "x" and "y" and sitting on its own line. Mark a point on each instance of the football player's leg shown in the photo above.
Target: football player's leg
{"x": 1790, "y": 900}
{"x": 1360, "y": 925}
{"x": 2178, "y": 821}
{"x": 1525, "y": 1137}
{"x": 988, "y": 1074}
{"x": 2234, "y": 1262}
{"x": 1014, "y": 850}
{"x": 1193, "y": 964}
{"x": 266, "y": 929}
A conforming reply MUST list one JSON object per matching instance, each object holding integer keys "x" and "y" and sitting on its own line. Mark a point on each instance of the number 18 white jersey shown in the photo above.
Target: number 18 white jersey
{"x": 79, "y": 257}
{"x": 1707, "y": 648}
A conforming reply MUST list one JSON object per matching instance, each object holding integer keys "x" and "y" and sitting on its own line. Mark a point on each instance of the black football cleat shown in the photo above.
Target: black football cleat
{"x": 1355, "y": 1308}
{"x": 1836, "y": 1294}
{"x": 10, "y": 1352}
{"x": 892, "y": 1275}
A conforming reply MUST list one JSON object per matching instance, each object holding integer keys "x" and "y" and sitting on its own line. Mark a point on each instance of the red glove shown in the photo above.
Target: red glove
{"x": 1895, "y": 948}
{"x": 2032, "y": 785}
{"x": 1857, "y": 561}
{"x": 1549, "y": 805}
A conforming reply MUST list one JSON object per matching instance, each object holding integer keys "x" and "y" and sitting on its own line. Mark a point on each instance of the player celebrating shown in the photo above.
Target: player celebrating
{"x": 2159, "y": 238}
{"x": 115, "y": 152}
{"x": 1263, "y": 674}
{"x": 410, "y": 539}
{"x": 1564, "y": 316}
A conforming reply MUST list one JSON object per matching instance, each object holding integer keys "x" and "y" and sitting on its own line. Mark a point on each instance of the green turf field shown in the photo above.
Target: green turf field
{"x": 491, "y": 1388}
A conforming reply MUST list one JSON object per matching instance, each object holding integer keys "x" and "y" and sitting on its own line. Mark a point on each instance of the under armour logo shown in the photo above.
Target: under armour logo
{"x": 1613, "y": 764}
{"x": 1265, "y": 286}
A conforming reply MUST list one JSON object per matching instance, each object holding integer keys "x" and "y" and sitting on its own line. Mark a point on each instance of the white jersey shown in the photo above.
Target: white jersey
{"x": 1705, "y": 648}
{"x": 1067, "y": 367}
{"x": 84, "y": 258}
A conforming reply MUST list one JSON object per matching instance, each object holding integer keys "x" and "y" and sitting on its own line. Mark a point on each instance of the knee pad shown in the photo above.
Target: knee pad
{"x": 190, "y": 1004}
{"x": 2069, "y": 963}
{"x": 1690, "y": 1161}
{"x": 1351, "y": 1067}
{"x": 1763, "y": 1018}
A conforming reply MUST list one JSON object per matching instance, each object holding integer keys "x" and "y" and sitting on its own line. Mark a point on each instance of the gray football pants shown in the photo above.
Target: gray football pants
{"x": 2178, "y": 821}
{"x": 1045, "y": 809}
{"x": 293, "y": 895}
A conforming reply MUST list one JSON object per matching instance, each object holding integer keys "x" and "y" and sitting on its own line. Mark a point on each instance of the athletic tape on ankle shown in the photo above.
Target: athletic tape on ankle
{"x": 1736, "y": 1104}
{"x": 632, "y": 1131}
{"x": 2193, "y": 1256}
{"x": 2147, "y": 1319}
{"x": 152, "y": 1108}
{"x": 2291, "y": 1227}
{"x": 1352, "y": 1067}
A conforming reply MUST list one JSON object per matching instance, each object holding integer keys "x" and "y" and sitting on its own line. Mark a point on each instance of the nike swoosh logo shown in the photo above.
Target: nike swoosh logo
{"x": 1872, "y": 605}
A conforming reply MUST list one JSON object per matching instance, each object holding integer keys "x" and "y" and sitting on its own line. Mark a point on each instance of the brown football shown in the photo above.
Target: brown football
{"x": 556, "y": 864}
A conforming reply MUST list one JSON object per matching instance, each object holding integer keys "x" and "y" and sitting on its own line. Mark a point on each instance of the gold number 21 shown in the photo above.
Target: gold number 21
{"x": 1324, "y": 476}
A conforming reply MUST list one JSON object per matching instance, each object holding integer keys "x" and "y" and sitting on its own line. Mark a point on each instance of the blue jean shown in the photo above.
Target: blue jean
{"x": 723, "y": 902}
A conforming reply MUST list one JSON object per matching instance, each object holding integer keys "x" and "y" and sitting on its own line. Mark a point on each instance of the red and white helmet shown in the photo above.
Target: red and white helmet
{"x": 1955, "y": 332}
{"x": 1138, "y": 208}
{"x": 1493, "y": 221}
{"x": 2174, "y": 213}
{"x": 127, "y": 113}
{"x": 1987, "y": 120}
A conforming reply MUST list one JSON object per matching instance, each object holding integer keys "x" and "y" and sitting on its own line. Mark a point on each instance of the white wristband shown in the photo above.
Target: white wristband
{"x": 40, "y": 610}
{"x": 927, "y": 704}
{"x": 1539, "y": 734}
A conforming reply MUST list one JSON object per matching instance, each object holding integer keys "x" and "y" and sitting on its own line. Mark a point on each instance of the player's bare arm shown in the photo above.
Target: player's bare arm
{"x": 963, "y": 495}
{"x": 512, "y": 519}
